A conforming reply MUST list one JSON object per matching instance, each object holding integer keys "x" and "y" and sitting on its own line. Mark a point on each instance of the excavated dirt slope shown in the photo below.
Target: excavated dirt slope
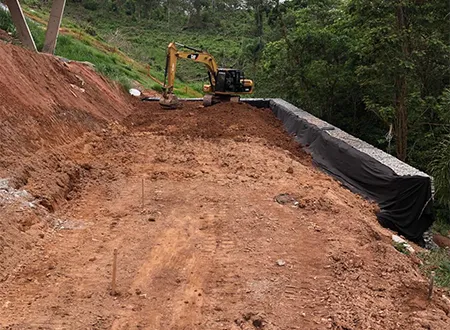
{"x": 191, "y": 201}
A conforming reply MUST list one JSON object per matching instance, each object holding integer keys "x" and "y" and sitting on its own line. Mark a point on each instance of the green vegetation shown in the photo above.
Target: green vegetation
{"x": 401, "y": 247}
{"x": 441, "y": 225}
{"x": 438, "y": 261}
{"x": 146, "y": 35}
{"x": 6, "y": 23}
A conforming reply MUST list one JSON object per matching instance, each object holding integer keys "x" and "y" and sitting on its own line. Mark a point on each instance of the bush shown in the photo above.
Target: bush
{"x": 90, "y": 30}
{"x": 90, "y": 5}
{"x": 6, "y": 22}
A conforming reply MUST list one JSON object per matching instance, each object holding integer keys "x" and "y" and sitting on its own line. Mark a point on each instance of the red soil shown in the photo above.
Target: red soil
{"x": 206, "y": 246}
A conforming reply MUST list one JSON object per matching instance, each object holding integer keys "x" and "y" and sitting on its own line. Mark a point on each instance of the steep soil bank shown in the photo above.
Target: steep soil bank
{"x": 45, "y": 102}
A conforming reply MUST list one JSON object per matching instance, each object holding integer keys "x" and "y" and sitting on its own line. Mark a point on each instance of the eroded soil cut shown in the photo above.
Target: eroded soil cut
{"x": 219, "y": 219}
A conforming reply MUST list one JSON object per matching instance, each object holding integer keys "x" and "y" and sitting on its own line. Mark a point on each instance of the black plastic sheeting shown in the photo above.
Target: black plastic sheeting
{"x": 406, "y": 203}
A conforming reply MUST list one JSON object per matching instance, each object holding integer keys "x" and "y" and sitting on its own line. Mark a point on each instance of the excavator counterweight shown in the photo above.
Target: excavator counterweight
{"x": 226, "y": 85}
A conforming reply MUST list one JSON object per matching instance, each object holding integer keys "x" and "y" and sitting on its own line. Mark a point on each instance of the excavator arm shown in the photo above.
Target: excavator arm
{"x": 196, "y": 55}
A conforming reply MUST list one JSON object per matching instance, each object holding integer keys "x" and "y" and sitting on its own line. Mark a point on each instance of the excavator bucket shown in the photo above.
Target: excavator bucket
{"x": 169, "y": 101}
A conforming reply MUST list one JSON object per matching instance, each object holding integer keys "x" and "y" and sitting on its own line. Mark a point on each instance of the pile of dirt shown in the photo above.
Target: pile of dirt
{"x": 191, "y": 199}
{"x": 239, "y": 122}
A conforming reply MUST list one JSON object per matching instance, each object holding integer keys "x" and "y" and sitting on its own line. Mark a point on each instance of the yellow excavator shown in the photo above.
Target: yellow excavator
{"x": 226, "y": 85}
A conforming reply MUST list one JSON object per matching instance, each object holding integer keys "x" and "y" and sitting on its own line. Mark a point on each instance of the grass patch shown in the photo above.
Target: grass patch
{"x": 401, "y": 247}
{"x": 441, "y": 226}
{"x": 157, "y": 87}
{"x": 438, "y": 261}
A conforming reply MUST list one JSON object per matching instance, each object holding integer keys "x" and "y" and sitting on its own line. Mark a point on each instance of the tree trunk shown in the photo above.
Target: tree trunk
{"x": 401, "y": 117}
{"x": 401, "y": 90}
{"x": 259, "y": 18}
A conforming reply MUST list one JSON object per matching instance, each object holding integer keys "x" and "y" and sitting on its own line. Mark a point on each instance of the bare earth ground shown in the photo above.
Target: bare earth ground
{"x": 209, "y": 248}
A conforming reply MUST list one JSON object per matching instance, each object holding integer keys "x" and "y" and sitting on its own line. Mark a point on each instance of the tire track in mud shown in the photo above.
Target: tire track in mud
{"x": 175, "y": 270}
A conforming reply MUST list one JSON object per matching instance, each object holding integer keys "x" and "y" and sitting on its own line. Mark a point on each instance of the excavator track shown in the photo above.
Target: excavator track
{"x": 210, "y": 99}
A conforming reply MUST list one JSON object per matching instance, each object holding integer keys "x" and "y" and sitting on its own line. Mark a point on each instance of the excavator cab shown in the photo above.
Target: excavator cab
{"x": 226, "y": 86}
{"x": 231, "y": 81}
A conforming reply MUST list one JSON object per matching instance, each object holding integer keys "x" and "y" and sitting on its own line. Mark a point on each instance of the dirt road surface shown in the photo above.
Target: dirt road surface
{"x": 192, "y": 201}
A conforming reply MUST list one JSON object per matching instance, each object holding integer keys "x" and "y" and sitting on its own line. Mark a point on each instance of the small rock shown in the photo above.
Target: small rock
{"x": 41, "y": 235}
{"x": 138, "y": 291}
{"x": 151, "y": 219}
{"x": 281, "y": 262}
{"x": 399, "y": 240}
{"x": 290, "y": 170}
{"x": 4, "y": 184}
{"x": 258, "y": 323}
{"x": 284, "y": 199}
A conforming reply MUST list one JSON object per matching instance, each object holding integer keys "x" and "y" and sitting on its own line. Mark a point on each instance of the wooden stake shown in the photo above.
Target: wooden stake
{"x": 430, "y": 288}
{"x": 114, "y": 271}
{"x": 143, "y": 204}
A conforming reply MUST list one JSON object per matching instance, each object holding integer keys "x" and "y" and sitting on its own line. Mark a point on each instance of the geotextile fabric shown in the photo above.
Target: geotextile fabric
{"x": 406, "y": 203}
